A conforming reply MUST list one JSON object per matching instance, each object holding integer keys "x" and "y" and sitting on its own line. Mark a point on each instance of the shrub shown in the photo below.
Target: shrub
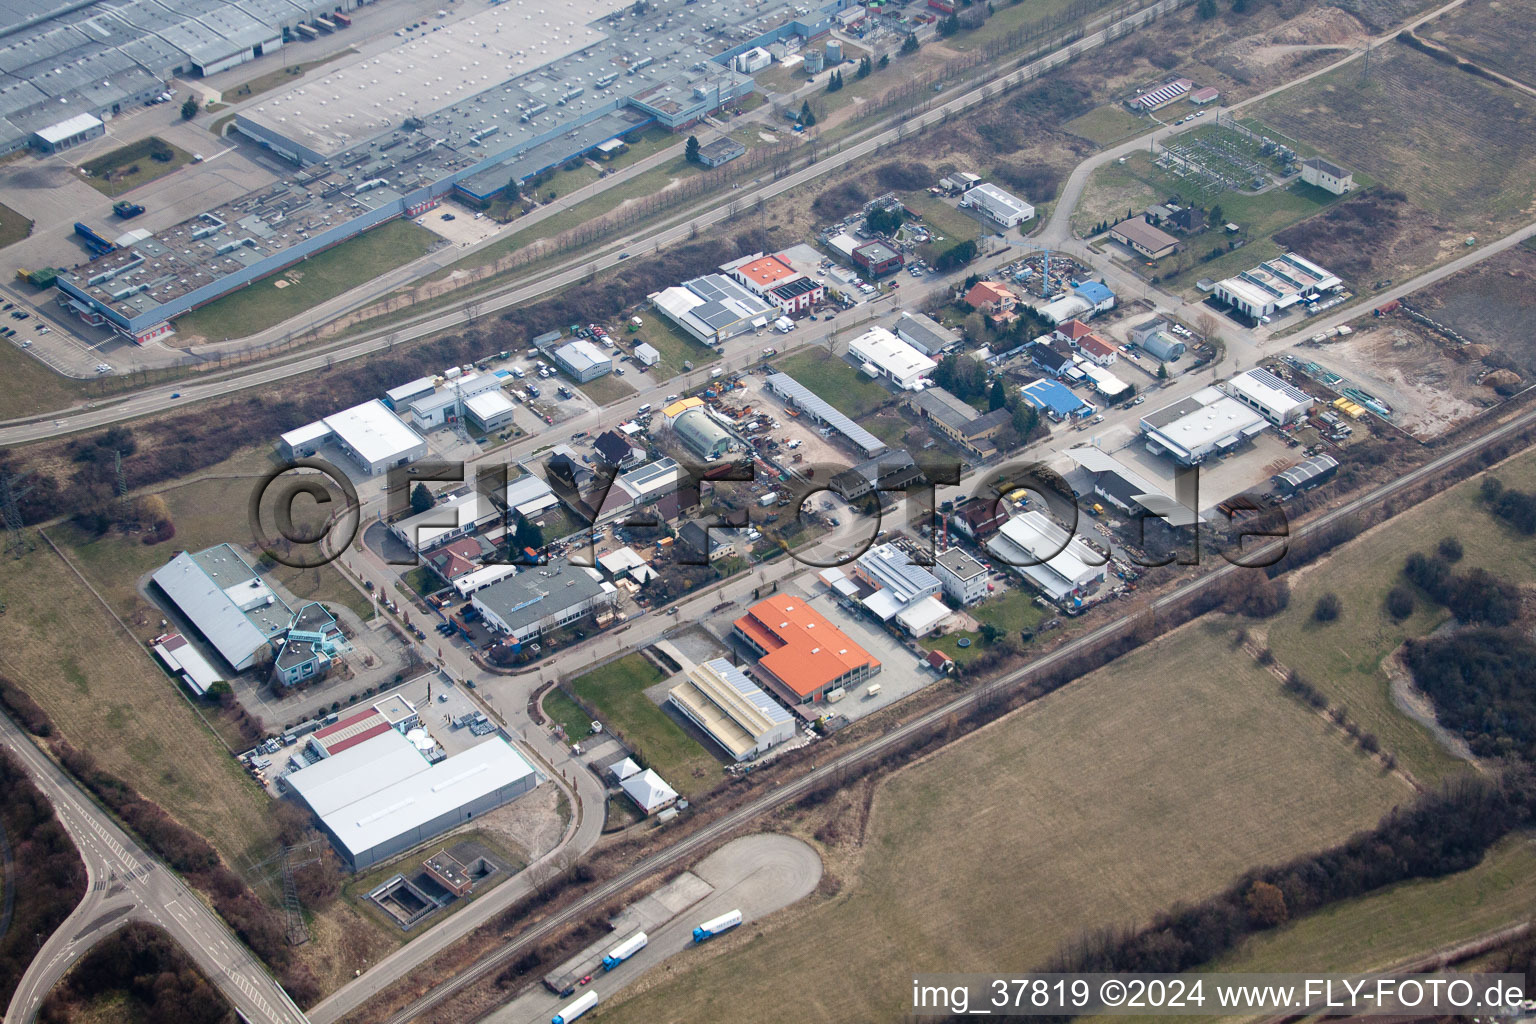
{"x": 1449, "y": 549}
{"x": 1327, "y": 608}
{"x": 1400, "y": 602}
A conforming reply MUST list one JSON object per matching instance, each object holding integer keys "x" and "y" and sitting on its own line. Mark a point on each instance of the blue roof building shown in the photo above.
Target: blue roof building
{"x": 1055, "y": 399}
{"x": 1097, "y": 293}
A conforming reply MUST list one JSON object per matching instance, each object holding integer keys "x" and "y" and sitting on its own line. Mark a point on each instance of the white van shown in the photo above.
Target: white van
{"x": 643, "y": 409}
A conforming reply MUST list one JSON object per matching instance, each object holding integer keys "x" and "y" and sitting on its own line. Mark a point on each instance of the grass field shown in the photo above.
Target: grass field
{"x": 1011, "y": 612}
{"x": 1460, "y": 147}
{"x": 1157, "y": 779}
{"x": 617, "y": 691}
{"x": 324, "y": 276}
{"x": 130, "y": 166}
{"x": 33, "y": 387}
{"x": 107, "y": 697}
{"x": 13, "y": 226}
{"x": 560, "y": 708}
{"x": 942, "y": 219}
{"x": 1343, "y": 658}
{"x": 607, "y": 388}
{"x": 676, "y": 348}
{"x": 836, "y": 381}
{"x": 1107, "y": 125}
{"x": 206, "y": 512}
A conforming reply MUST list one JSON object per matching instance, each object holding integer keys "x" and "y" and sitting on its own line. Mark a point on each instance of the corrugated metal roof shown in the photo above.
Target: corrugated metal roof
{"x": 803, "y": 397}
{"x": 204, "y": 602}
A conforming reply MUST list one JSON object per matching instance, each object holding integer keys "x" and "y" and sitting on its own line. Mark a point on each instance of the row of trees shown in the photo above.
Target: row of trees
{"x": 1443, "y": 832}
{"x": 45, "y": 878}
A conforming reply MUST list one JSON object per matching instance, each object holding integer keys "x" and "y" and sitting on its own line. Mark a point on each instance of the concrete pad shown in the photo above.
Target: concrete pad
{"x": 756, "y": 874}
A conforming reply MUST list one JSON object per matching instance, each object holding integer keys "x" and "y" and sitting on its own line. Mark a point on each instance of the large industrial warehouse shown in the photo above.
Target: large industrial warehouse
{"x": 502, "y": 95}
{"x": 1206, "y": 423}
{"x": 226, "y": 601}
{"x": 76, "y": 63}
{"x": 382, "y": 797}
{"x": 719, "y": 698}
{"x": 800, "y": 655}
{"x": 370, "y": 433}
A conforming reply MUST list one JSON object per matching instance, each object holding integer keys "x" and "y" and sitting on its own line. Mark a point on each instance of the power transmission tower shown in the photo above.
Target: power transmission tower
{"x": 1365, "y": 70}
{"x": 297, "y": 933}
{"x": 11, "y": 492}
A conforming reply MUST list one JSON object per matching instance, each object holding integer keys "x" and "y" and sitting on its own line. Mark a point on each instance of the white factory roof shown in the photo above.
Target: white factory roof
{"x": 892, "y": 355}
{"x": 581, "y": 355}
{"x": 1208, "y": 417}
{"x": 897, "y": 574}
{"x": 414, "y": 389}
{"x": 1001, "y": 201}
{"x": 1033, "y": 535}
{"x": 488, "y": 406}
{"x": 180, "y": 656}
{"x": 374, "y": 432}
{"x": 425, "y": 529}
{"x": 482, "y": 577}
{"x": 210, "y": 609}
{"x": 1267, "y": 391}
{"x": 1064, "y": 308}
{"x": 64, "y": 129}
{"x": 383, "y": 787}
{"x": 309, "y": 433}
{"x": 649, "y": 790}
{"x": 1102, "y": 379}
{"x": 922, "y": 616}
{"x": 620, "y": 561}
{"x": 530, "y": 495}
{"x": 457, "y": 60}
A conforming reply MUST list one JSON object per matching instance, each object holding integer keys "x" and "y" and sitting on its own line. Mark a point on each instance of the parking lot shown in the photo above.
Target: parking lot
{"x": 458, "y": 224}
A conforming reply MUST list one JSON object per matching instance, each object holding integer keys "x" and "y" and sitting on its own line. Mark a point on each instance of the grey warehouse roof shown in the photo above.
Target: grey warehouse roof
{"x": 804, "y": 398}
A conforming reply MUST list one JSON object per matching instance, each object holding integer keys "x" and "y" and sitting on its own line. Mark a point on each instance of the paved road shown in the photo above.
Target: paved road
{"x": 832, "y": 770}
{"x": 125, "y": 883}
{"x": 157, "y": 398}
{"x": 509, "y": 701}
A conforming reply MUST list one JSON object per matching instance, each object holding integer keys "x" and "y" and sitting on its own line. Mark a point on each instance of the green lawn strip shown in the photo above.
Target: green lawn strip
{"x": 130, "y": 166}
{"x": 282, "y": 76}
{"x": 607, "y": 388}
{"x": 13, "y": 226}
{"x": 1011, "y": 612}
{"x": 676, "y": 348}
{"x": 617, "y": 691}
{"x": 560, "y": 708}
{"x": 262, "y": 304}
{"x": 1107, "y": 125}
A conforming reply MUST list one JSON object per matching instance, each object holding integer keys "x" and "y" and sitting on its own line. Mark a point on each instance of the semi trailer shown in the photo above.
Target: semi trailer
{"x": 575, "y": 1008}
{"x": 724, "y": 923}
{"x": 624, "y": 950}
